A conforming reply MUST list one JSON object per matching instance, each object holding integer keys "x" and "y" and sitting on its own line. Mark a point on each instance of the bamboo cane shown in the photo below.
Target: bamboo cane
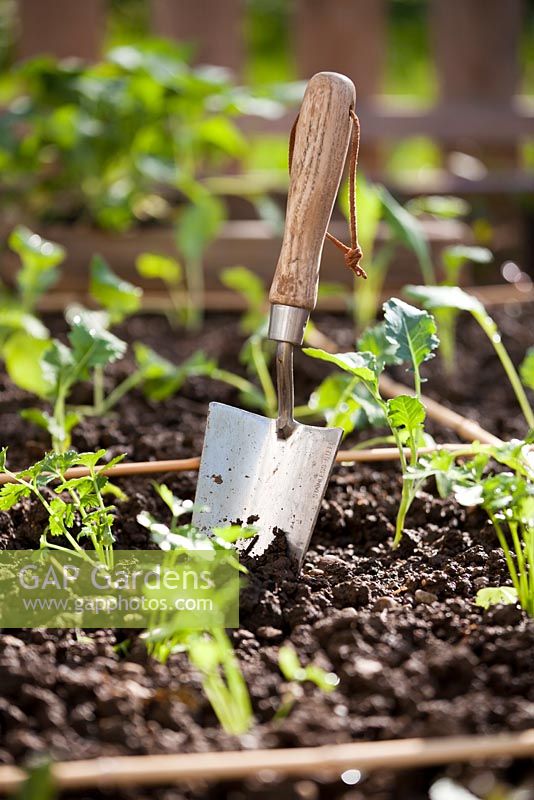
{"x": 133, "y": 468}
{"x": 327, "y": 760}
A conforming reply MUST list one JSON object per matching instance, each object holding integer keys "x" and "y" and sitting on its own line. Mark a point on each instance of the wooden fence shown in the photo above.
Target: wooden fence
{"x": 475, "y": 46}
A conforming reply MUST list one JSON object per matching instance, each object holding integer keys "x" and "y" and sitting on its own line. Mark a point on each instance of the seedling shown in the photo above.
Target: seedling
{"x": 76, "y": 509}
{"x": 22, "y": 334}
{"x": 253, "y": 293}
{"x": 507, "y": 497}
{"x": 406, "y": 336}
{"x": 39, "y": 783}
{"x": 452, "y": 298}
{"x": 100, "y": 141}
{"x": 168, "y": 270}
{"x": 292, "y": 670}
{"x": 210, "y": 651}
{"x": 40, "y": 260}
{"x": 61, "y": 367}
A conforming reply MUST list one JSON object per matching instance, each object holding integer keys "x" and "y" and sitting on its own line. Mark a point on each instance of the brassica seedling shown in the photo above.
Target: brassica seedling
{"x": 61, "y": 367}
{"x": 445, "y": 298}
{"x": 210, "y": 651}
{"x": 77, "y": 508}
{"x": 408, "y": 335}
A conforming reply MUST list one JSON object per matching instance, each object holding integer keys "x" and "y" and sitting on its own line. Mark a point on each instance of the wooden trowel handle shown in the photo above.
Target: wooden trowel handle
{"x": 321, "y": 142}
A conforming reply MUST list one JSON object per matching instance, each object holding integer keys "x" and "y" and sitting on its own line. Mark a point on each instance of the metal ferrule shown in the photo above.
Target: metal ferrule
{"x": 287, "y": 323}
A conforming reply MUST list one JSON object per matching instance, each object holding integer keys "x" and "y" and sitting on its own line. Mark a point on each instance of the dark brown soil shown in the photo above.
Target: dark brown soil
{"x": 414, "y": 655}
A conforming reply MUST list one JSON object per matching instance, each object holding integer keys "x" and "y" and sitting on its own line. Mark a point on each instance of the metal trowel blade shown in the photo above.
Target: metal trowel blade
{"x": 250, "y": 476}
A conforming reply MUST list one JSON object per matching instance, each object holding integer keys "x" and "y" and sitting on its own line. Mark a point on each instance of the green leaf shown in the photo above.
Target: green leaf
{"x": 442, "y": 297}
{"x": 117, "y": 296}
{"x": 23, "y": 359}
{"x": 406, "y": 412}
{"x": 374, "y": 341}
{"x": 178, "y": 507}
{"x": 56, "y": 363}
{"x": 91, "y": 319}
{"x": 409, "y": 232}
{"x": 412, "y": 330}
{"x": 291, "y": 669}
{"x": 230, "y": 534}
{"x": 3, "y": 458}
{"x": 527, "y": 369}
{"x": 90, "y": 460}
{"x": 289, "y": 664}
{"x": 152, "y": 265}
{"x": 162, "y": 378}
{"x": 341, "y": 410}
{"x": 456, "y": 256}
{"x": 222, "y": 133}
{"x": 496, "y": 595}
{"x": 361, "y": 365}
{"x": 38, "y": 417}
{"x": 93, "y": 347}
{"x": 441, "y": 466}
{"x": 62, "y": 516}
{"x": 34, "y": 251}
{"x": 168, "y": 540}
{"x": 252, "y": 289}
{"x": 204, "y": 654}
{"x": 468, "y": 496}
{"x": 442, "y": 206}
{"x": 10, "y": 494}
{"x": 39, "y": 259}
{"x": 198, "y": 225}
{"x": 39, "y": 784}
{"x": 15, "y": 319}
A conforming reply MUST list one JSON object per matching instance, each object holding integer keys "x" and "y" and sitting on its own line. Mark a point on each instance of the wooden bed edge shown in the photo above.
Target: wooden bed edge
{"x": 157, "y": 301}
{"x": 141, "y": 468}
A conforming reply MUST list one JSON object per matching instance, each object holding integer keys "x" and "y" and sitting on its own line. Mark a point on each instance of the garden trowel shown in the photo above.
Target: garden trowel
{"x": 272, "y": 473}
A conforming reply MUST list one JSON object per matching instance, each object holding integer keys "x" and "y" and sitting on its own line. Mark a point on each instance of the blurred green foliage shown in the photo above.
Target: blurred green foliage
{"x": 267, "y": 28}
{"x": 112, "y": 142}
